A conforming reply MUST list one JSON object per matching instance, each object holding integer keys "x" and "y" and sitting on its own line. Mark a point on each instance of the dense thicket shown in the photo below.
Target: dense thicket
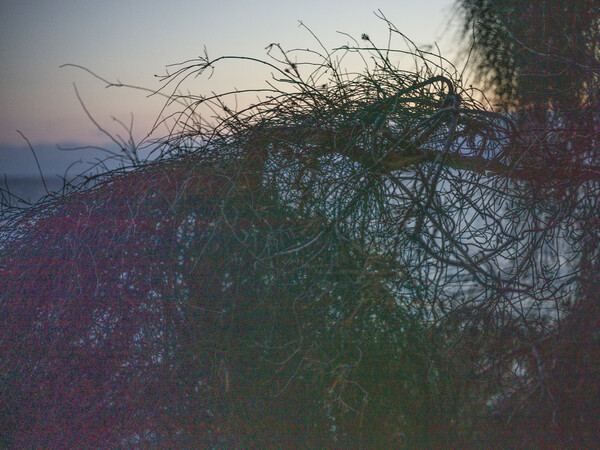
{"x": 542, "y": 60}
{"x": 357, "y": 260}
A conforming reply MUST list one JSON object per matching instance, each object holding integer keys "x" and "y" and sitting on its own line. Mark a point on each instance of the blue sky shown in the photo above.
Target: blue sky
{"x": 132, "y": 40}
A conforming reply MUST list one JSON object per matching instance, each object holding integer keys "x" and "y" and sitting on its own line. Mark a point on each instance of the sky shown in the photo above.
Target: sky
{"x": 133, "y": 41}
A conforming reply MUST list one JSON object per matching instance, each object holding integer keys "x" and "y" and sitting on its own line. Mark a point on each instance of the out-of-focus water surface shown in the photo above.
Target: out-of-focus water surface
{"x": 30, "y": 188}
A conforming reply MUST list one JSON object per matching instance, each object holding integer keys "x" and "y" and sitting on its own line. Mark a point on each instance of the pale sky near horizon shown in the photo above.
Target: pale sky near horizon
{"x": 132, "y": 40}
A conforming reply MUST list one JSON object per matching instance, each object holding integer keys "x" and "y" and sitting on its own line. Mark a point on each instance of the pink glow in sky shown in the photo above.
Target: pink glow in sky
{"x": 132, "y": 40}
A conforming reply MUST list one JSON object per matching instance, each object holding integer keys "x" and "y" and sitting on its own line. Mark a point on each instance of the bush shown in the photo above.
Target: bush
{"x": 327, "y": 267}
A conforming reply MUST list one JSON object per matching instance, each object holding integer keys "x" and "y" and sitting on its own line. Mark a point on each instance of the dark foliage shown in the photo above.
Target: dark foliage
{"x": 359, "y": 261}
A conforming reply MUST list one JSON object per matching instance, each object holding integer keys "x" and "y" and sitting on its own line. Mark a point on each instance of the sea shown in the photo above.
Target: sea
{"x": 30, "y": 188}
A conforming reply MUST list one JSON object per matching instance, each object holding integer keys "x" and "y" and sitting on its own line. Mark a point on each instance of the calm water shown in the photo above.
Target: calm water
{"x": 30, "y": 188}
